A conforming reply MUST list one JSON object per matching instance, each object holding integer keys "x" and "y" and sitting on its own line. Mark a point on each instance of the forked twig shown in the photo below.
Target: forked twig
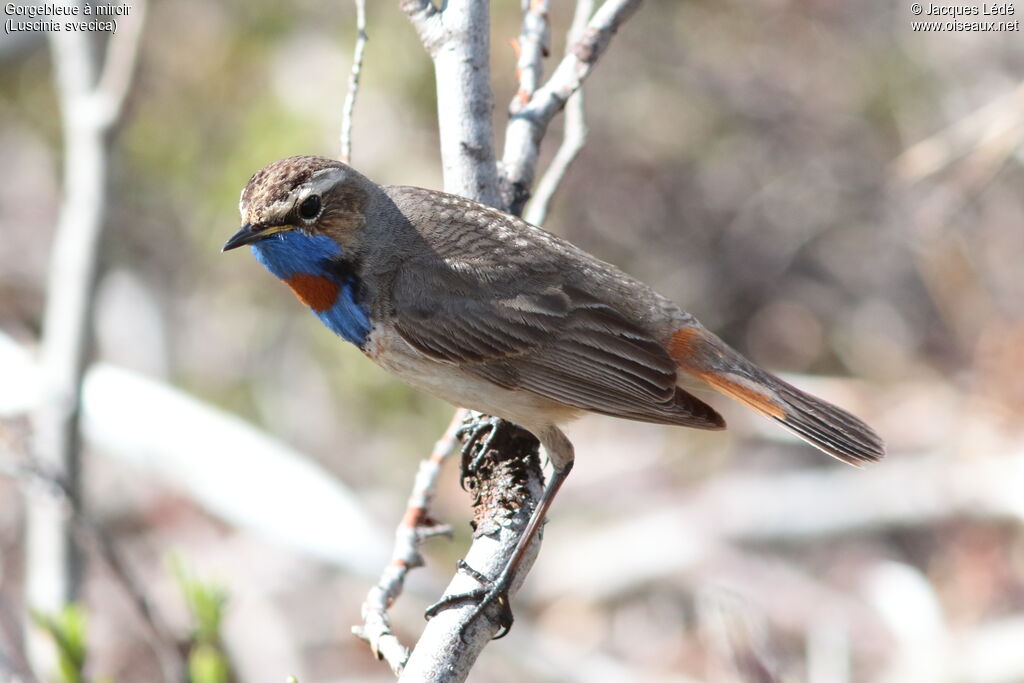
{"x": 574, "y": 134}
{"x": 415, "y": 527}
{"x": 526, "y": 127}
{"x": 531, "y": 49}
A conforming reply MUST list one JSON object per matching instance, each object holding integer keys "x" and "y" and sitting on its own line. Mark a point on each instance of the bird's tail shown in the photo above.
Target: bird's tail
{"x": 705, "y": 357}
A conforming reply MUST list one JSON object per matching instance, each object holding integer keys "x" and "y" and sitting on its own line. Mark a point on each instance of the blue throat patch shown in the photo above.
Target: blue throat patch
{"x": 295, "y": 256}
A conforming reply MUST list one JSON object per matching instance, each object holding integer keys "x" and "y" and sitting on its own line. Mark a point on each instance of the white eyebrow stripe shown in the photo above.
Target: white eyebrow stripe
{"x": 322, "y": 182}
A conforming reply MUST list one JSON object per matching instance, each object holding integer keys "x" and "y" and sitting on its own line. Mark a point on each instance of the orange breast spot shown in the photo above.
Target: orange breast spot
{"x": 316, "y": 291}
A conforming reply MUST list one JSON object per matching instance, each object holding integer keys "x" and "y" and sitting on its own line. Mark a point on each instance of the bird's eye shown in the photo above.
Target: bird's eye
{"x": 310, "y": 207}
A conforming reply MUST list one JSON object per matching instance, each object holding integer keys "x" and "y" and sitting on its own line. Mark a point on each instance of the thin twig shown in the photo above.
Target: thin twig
{"x": 415, "y": 527}
{"x": 533, "y": 46}
{"x": 353, "y": 82}
{"x": 527, "y": 127}
{"x": 574, "y": 133}
{"x": 574, "y": 138}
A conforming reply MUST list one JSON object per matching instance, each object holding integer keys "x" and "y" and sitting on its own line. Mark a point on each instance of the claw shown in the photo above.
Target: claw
{"x": 464, "y": 567}
{"x": 449, "y": 601}
{"x": 476, "y": 429}
{"x": 491, "y": 592}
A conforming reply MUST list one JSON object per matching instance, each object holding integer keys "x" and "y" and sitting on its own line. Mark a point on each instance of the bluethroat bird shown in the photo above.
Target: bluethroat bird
{"x": 488, "y": 312}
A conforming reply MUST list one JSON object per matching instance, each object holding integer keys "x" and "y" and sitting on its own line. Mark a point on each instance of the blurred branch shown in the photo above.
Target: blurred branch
{"x": 526, "y": 127}
{"x": 908, "y": 491}
{"x": 986, "y": 126}
{"x": 91, "y": 104}
{"x": 88, "y": 532}
{"x": 353, "y": 82}
{"x": 203, "y": 455}
{"x": 415, "y": 527}
{"x": 969, "y": 153}
{"x": 735, "y": 639}
{"x": 13, "y": 663}
{"x": 199, "y": 448}
{"x": 119, "y": 66}
{"x": 574, "y": 133}
{"x": 912, "y": 612}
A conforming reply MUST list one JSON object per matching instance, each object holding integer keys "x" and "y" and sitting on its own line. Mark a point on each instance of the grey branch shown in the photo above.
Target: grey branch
{"x": 415, "y": 527}
{"x": 91, "y": 106}
{"x": 533, "y": 46}
{"x": 574, "y": 134}
{"x": 353, "y": 82}
{"x": 458, "y": 41}
{"x": 574, "y": 138}
{"x": 505, "y": 488}
{"x": 457, "y": 38}
{"x": 526, "y": 127}
{"x": 426, "y": 19}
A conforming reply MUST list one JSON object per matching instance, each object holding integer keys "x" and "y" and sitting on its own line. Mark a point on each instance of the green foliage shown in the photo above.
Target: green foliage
{"x": 207, "y": 664}
{"x": 67, "y": 629}
{"x": 206, "y": 603}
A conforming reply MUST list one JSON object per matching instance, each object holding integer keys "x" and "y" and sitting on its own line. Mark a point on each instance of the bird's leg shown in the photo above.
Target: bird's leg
{"x": 561, "y": 455}
{"x": 476, "y": 428}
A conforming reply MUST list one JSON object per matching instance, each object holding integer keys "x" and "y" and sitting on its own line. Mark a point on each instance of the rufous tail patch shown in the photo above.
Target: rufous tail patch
{"x": 316, "y": 291}
{"x": 686, "y": 344}
{"x": 699, "y": 354}
{"x": 751, "y": 397}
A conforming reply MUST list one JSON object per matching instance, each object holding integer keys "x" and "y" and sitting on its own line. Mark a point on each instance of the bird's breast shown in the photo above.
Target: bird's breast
{"x": 337, "y": 304}
{"x": 323, "y": 277}
{"x": 447, "y": 381}
{"x": 316, "y": 291}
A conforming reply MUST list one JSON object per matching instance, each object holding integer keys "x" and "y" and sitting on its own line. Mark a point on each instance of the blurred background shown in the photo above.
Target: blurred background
{"x": 835, "y": 194}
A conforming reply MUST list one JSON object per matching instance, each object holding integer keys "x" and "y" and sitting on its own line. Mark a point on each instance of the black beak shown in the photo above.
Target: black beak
{"x": 247, "y": 234}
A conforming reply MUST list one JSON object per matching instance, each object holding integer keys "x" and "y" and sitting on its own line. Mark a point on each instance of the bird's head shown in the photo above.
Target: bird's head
{"x": 304, "y": 217}
{"x": 303, "y": 198}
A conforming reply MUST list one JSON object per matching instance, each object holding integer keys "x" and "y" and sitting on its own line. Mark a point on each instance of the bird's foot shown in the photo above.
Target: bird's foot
{"x": 490, "y": 592}
{"x": 476, "y": 429}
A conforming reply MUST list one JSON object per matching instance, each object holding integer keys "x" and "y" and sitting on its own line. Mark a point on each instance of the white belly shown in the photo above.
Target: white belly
{"x": 449, "y": 383}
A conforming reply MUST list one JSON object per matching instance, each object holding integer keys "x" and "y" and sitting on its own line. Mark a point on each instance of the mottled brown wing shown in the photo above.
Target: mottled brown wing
{"x": 535, "y": 333}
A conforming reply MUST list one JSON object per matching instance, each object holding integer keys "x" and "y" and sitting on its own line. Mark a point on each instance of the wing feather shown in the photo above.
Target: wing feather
{"x": 537, "y": 334}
